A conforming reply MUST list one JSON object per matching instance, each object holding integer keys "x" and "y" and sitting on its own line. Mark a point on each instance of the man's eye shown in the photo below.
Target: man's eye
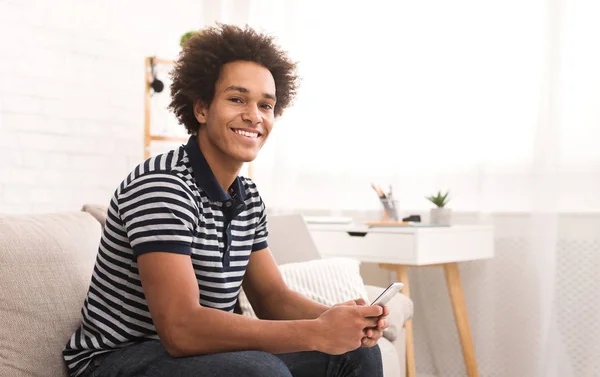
{"x": 236, "y": 100}
{"x": 267, "y": 106}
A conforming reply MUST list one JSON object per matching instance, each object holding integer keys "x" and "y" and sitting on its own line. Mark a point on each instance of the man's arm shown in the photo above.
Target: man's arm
{"x": 186, "y": 328}
{"x": 270, "y": 296}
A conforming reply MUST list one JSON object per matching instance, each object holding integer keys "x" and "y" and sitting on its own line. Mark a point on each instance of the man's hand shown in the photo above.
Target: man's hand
{"x": 373, "y": 334}
{"x": 341, "y": 328}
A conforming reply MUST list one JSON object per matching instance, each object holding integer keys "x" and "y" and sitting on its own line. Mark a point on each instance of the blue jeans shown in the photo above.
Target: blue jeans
{"x": 150, "y": 359}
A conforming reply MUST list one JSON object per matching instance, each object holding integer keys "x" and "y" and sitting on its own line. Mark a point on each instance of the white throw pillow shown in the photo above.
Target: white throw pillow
{"x": 329, "y": 281}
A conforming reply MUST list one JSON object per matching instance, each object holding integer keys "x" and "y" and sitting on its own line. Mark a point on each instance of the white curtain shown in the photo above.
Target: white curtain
{"x": 496, "y": 101}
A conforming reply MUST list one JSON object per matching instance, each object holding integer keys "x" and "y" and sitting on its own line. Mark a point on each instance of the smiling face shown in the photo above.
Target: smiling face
{"x": 238, "y": 121}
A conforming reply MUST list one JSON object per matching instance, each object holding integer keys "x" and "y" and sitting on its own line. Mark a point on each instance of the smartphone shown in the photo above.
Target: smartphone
{"x": 388, "y": 294}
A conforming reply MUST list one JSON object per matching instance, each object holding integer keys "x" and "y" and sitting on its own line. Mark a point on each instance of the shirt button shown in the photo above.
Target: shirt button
{"x": 227, "y": 204}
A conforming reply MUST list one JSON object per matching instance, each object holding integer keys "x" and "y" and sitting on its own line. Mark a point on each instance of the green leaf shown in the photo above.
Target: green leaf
{"x": 185, "y": 37}
{"x": 439, "y": 200}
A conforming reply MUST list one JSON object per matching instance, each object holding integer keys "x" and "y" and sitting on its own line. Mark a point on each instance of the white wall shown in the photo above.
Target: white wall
{"x": 72, "y": 90}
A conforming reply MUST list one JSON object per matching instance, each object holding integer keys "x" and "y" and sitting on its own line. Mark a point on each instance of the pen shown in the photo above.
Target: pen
{"x": 379, "y": 191}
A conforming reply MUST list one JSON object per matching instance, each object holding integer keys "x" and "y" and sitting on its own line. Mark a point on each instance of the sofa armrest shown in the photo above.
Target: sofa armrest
{"x": 401, "y": 310}
{"x": 98, "y": 211}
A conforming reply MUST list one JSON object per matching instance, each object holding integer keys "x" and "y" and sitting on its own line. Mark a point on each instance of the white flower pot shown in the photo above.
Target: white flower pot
{"x": 441, "y": 216}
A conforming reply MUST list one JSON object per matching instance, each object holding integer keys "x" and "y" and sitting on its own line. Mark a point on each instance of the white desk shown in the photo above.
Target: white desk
{"x": 397, "y": 248}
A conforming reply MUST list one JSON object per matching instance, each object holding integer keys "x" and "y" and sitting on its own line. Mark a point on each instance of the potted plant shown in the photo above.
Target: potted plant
{"x": 185, "y": 37}
{"x": 440, "y": 215}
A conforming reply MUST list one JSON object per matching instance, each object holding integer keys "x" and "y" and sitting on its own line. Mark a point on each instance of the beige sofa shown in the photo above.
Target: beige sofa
{"x": 46, "y": 263}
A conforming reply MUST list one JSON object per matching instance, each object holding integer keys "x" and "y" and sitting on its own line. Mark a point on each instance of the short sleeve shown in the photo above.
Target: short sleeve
{"x": 261, "y": 233}
{"x": 159, "y": 214}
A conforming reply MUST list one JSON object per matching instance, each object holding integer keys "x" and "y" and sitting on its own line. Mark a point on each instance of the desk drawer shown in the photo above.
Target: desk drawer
{"x": 367, "y": 246}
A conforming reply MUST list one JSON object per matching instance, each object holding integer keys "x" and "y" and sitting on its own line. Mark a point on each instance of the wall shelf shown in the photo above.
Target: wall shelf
{"x": 149, "y": 137}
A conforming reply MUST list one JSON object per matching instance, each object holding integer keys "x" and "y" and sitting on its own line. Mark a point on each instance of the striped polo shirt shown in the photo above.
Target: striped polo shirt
{"x": 169, "y": 203}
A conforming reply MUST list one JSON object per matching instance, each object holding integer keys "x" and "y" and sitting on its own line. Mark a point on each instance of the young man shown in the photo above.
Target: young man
{"x": 184, "y": 233}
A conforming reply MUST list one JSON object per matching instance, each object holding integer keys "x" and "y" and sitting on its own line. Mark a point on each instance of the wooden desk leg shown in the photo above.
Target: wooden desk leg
{"x": 402, "y": 275}
{"x": 460, "y": 315}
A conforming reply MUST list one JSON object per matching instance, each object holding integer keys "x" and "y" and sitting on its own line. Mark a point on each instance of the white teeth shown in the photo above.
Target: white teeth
{"x": 247, "y": 134}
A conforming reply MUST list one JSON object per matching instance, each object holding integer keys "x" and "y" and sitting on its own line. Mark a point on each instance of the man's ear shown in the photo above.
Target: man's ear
{"x": 200, "y": 111}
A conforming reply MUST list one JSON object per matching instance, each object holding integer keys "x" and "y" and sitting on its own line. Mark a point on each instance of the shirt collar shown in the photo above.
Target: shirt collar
{"x": 205, "y": 178}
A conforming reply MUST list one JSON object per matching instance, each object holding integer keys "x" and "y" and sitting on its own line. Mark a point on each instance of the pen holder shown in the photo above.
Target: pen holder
{"x": 391, "y": 210}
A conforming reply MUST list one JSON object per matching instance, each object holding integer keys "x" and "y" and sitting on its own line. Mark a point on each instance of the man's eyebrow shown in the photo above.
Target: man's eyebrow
{"x": 237, "y": 89}
{"x": 241, "y": 89}
{"x": 270, "y": 96}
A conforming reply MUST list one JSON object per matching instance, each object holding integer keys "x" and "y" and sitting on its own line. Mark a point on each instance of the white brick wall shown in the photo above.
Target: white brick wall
{"x": 71, "y": 93}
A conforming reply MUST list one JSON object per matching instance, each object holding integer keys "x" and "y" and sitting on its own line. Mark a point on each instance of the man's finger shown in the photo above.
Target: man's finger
{"x": 360, "y": 301}
{"x": 386, "y": 311}
{"x": 383, "y": 323}
{"x": 368, "y": 342}
{"x": 371, "y": 322}
{"x": 371, "y": 311}
{"x": 376, "y": 334}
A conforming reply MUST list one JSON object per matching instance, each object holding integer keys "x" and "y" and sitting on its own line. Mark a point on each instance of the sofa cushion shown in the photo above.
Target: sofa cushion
{"x": 46, "y": 262}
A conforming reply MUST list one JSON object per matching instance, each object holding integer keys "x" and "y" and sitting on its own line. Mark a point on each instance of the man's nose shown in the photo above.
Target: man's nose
{"x": 252, "y": 114}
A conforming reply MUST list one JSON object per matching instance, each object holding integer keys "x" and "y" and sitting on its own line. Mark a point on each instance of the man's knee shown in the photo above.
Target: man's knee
{"x": 366, "y": 360}
{"x": 256, "y": 364}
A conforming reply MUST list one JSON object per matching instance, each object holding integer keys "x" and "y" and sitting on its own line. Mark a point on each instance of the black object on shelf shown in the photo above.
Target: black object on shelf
{"x": 413, "y": 218}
